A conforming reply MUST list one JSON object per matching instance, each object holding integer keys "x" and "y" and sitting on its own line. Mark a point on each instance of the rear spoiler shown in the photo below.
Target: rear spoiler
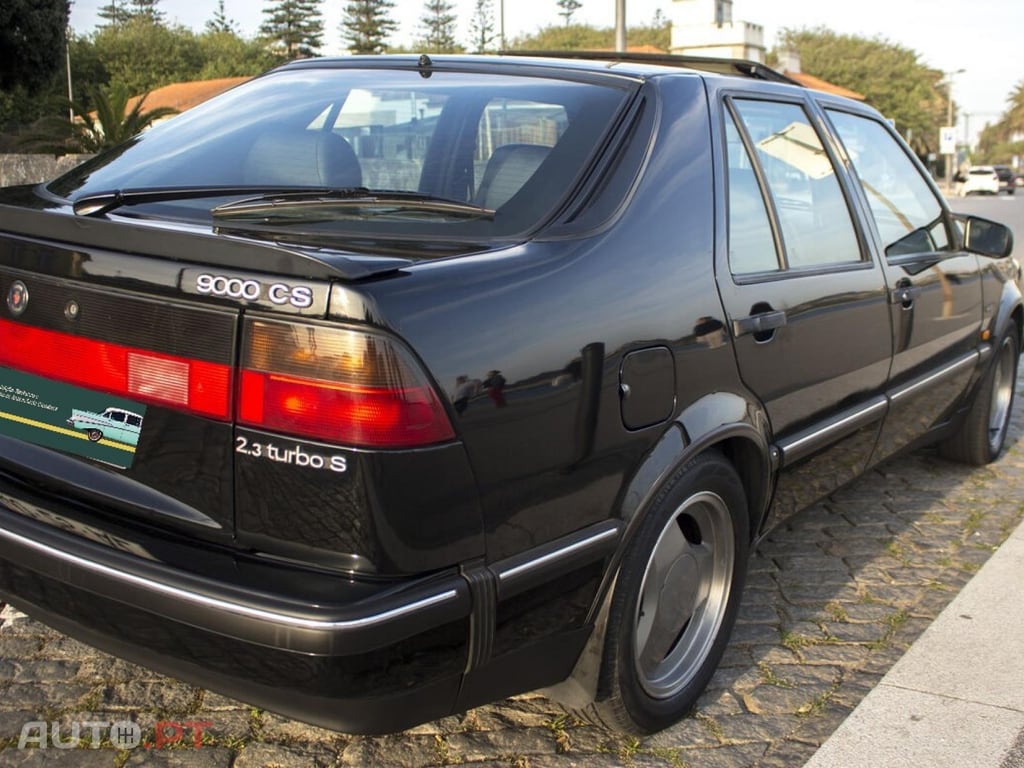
{"x": 199, "y": 246}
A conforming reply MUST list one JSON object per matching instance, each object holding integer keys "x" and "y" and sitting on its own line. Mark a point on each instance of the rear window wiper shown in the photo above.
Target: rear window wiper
{"x": 300, "y": 204}
{"x": 98, "y": 203}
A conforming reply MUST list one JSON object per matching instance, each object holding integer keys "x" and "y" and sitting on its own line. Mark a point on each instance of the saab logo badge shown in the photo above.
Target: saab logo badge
{"x": 299, "y": 296}
{"x": 17, "y": 298}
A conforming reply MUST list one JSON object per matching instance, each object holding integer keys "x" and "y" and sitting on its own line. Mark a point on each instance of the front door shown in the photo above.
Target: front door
{"x": 935, "y": 295}
{"x": 807, "y": 306}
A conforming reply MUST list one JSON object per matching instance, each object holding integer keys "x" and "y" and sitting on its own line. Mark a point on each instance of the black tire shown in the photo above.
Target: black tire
{"x": 981, "y": 436}
{"x": 94, "y": 435}
{"x": 659, "y": 655}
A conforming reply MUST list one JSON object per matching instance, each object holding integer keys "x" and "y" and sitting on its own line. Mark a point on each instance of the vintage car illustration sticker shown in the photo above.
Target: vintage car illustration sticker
{"x": 68, "y": 418}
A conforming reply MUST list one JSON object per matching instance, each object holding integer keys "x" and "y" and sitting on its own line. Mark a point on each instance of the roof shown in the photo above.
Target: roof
{"x": 817, "y": 84}
{"x": 182, "y": 96}
{"x": 718, "y": 65}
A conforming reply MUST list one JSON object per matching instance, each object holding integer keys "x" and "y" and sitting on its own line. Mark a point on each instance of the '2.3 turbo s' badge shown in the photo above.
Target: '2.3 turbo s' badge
{"x": 17, "y": 298}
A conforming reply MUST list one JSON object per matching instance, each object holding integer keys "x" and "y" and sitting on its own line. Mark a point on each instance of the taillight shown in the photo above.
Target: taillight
{"x": 153, "y": 377}
{"x": 337, "y": 385}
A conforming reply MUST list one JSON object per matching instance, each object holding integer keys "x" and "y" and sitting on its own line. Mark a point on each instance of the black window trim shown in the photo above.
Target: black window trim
{"x": 953, "y": 235}
{"x": 839, "y": 164}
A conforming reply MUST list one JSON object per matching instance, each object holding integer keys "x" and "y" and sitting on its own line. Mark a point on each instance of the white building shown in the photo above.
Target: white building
{"x": 706, "y": 28}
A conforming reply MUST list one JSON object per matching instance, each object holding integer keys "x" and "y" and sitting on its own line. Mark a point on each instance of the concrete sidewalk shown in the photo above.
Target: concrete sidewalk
{"x": 956, "y": 698}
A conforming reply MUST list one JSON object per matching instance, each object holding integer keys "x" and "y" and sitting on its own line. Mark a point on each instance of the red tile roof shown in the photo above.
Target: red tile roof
{"x": 817, "y": 84}
{"x": 182, "y": 96}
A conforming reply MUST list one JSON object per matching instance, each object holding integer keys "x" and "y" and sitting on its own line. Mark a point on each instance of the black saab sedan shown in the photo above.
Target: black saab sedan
{"x": 454, "y": 378}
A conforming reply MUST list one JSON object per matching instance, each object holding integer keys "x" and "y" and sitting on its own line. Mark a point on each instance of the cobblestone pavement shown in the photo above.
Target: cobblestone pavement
{"x": 833, "y": 600}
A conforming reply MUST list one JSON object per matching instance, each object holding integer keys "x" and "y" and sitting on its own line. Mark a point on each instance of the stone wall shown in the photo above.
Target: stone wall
{"x": 32, "y": 169}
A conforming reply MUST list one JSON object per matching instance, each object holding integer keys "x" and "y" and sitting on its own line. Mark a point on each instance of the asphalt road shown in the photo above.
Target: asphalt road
{"x": 834, "y": 598}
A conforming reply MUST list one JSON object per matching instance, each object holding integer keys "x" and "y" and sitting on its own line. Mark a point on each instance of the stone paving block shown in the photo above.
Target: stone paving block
{"x": 44, "y": 758}
{"x": 181, "y": 757}
{"x": 12, "y": 720}
{"x": 786, "y": 754}
{"x": 49, "y": 671}
{"x": 716, "y": 703}
{"x": 699, "y": 731}
{"x": 281, "y": 729}
{"x": 162, "y": 696}
{"x": 277, "y": 756}
{"x": 47, "y": 697}
{"x": 225, "y": 726}
{"x": 725, "y": 756}
{"x": 19, "y": 647}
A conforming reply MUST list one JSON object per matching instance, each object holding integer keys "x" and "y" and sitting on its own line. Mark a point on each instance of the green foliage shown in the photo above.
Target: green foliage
{"x": 367, "y": 24}
{"x": 438, "y": 25}
{"x": 891, "y": 77}
{"x": 146, "y": 9}
{"x": 570, "y": 37}
{"x": 583, "y": 37}
{"x": 220, "y": 22}
{"x": 114, "y": 13}
{"x": 999, "y": 143}
{"x": 111, "y": 123}
{"x": 141, "y": 55}
{"x": 567, "y": 8}
{"x": 225, "y": 54}
{"x": 482, "y": 31}
{"x": 31, "y": 42}
{"x": 294, "y": 27}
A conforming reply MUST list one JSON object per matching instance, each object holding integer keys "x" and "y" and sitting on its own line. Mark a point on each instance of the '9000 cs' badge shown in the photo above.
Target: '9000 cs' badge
{"x": 17, "y": 297}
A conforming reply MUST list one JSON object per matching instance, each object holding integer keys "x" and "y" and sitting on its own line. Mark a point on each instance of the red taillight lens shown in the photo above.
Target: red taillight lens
{"x": 151, "y": 377}
{"x": 337, "y": 385}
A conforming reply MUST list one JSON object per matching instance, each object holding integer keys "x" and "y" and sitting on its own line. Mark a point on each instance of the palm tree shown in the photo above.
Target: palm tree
{"x": 116, "y": 118}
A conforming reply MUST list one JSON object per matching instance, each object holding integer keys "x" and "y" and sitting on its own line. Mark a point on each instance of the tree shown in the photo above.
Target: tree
{"x": 115, "y": 120}
{"x": 294, "y": 27}
{"x": 890, "y": 76}
{"x": 367, "y": 24}
{"x": 142, "y": 55}
{"x": 573, "y": 37}
{"x": 31, "y": 42}
{"x": 481, "y": 26}
{"x": 114, "y": 13}
{"x": 220, "y": 22}
{"x": 999, "y": 142}
{"x": 438, "y": 24}
{"x": 568, "y": 8}
{"x": 32, "y": 58}
{"x": 146, "y": 9}
{"x": 225, "y": 54}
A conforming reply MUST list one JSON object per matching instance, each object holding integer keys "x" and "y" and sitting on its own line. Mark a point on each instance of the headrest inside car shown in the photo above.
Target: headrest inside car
{"x": 302, "y": 158}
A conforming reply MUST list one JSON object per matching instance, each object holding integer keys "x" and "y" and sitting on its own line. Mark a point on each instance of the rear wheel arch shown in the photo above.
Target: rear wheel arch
{"x": 740, "y": 445}
{"x": 704, "y": 498}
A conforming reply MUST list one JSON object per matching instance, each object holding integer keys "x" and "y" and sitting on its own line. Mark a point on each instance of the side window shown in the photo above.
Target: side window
{"x": 816, "y": 226}
{"x": 906, "y": 212}
{"x": 751, "y": 242}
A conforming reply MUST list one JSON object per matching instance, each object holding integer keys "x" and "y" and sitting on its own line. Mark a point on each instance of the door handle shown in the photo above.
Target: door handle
{"x": 904, "y": 295}
{"x": 760, "y": 324}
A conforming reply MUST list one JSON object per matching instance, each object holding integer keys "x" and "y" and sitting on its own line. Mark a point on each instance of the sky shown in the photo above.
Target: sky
{"x": 982, "y": 37}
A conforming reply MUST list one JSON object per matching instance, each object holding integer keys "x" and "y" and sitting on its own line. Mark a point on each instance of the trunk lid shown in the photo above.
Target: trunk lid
{"x": 118, "y": 372}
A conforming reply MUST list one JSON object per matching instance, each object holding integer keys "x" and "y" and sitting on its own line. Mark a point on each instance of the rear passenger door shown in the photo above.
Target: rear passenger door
{"x": 806, "y": 304}
{"x": 935, "y": 294}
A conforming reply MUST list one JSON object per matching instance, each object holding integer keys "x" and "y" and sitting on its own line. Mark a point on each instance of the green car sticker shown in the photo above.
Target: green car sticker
{"x": 68, "y": 418}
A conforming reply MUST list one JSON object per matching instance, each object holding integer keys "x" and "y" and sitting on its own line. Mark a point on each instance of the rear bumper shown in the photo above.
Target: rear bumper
{"x": 375, "y": 659}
